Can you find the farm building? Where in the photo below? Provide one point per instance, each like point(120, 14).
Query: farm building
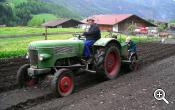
point(118, 22)
point(172, 27)
point(64, 23)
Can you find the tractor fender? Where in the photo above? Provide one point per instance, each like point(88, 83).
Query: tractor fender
point(103, 42)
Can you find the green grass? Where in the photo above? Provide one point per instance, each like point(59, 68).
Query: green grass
point(30, 30)
point(172, 21)
point(11, 47)
point(38, 20)
point(137, 39)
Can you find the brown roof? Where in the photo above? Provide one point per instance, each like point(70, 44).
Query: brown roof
point(57, 22)
point(111, 19)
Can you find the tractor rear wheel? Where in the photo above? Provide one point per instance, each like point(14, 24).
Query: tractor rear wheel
point(23, 79)
point(63, 82)
point(111, 63)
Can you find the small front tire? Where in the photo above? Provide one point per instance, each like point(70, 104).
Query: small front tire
point(23, 79)
point(63, 82)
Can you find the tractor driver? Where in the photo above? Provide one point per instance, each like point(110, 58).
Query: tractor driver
point(92, 35)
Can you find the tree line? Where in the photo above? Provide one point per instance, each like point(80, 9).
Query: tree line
point(12, 14)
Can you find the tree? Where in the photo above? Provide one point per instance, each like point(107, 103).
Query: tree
point(2, 1)
point(6, 14)
point(161, 27)
point(131, 28)
point(12, 13)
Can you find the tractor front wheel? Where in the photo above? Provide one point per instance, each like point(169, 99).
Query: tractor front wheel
point(63, 82)
point(23, 79)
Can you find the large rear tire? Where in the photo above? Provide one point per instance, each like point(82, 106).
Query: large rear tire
point(111, 63)
point(63, 82)
point(23, 79)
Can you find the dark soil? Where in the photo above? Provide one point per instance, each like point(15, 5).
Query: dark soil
point(132, 91)
point(148, 53)
point(8, 70)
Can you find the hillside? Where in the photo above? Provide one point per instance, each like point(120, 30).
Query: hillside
point(20, 12)
point(172, 21)
point(39, 19)
point(150, 9)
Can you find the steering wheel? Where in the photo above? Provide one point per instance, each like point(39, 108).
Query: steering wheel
point(78, 35)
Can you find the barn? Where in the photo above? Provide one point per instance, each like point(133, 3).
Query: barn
point(118, 22)
point(64, 23)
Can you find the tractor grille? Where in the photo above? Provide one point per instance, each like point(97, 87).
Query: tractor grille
point(33, 57)
point(63, 49)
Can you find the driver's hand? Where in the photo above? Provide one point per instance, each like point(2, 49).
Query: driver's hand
point(84, 34)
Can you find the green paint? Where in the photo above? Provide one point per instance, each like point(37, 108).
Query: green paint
point(49, 50)
point(103, 41)
point(53, 50)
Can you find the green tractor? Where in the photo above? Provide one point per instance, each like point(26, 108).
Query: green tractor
point(59, 60)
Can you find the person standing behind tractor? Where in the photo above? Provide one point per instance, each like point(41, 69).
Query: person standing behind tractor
point(92, 35)
point(131, 46)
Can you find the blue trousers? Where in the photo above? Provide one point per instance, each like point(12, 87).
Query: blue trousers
point(87, 45)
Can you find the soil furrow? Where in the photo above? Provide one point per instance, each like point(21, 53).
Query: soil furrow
point(152, 52)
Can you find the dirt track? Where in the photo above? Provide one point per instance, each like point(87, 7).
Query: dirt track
point(8, 71)
point(132, 91)
point(89, 88)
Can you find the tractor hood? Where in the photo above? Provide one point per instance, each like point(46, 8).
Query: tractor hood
point(55, 43)
point(44, 53)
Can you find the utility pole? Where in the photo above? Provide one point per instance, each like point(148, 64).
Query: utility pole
point(45, 33)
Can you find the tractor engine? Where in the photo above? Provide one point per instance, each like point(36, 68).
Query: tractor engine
point(46, 54)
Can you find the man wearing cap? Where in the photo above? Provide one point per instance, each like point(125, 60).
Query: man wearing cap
point(92, 35)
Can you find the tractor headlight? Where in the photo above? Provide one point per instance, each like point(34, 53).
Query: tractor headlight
point(27, 55)
point(41, 57)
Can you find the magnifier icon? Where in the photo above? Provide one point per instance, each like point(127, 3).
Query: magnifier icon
point(159, 94)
